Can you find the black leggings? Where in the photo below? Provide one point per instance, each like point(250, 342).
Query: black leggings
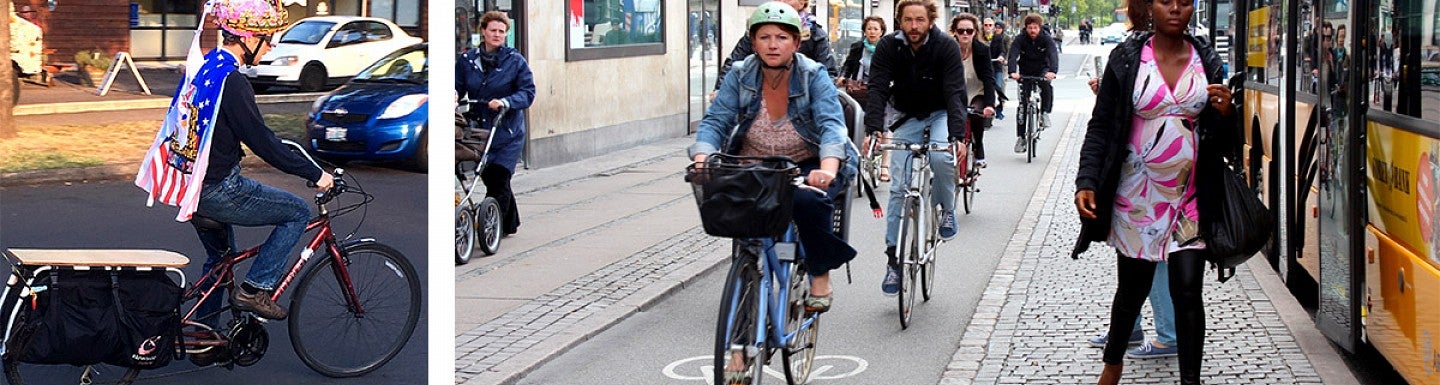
point(1187, 273)
point(497, 185)
point(978, 125)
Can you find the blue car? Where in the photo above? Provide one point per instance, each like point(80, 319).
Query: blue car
point(380, 115)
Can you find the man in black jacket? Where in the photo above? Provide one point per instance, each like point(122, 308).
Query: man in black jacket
point(814, 44)
point(918, 70)
point(1034, 54)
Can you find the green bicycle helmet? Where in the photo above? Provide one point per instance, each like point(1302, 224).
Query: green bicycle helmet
point(775, 12)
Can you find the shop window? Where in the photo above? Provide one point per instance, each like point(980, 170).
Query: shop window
point(600, 29)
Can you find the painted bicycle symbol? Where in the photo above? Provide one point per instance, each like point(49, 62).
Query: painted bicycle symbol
point(826, 368)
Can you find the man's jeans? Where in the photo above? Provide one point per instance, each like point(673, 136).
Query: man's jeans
point(1163, 308)
point(242, 201)
point(941, 166)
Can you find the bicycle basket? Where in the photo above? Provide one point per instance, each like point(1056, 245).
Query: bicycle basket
point(742, 197)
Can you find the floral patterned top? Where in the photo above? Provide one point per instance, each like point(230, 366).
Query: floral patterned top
point(1155, 204)
point(771, 137)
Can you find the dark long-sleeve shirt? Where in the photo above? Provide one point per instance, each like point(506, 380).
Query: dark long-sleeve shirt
point(817, 48)
point(239, 121)
point(1034, 57)
point(918, 82)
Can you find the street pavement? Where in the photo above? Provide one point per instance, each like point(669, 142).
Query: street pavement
point(619, 285)
point(113, 215)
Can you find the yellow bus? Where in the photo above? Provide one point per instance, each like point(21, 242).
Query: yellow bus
point(1341, 108)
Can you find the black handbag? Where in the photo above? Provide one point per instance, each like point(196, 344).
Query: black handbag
point(1233, 221)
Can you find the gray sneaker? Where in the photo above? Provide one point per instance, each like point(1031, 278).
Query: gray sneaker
point(1021, 145)
point(259, 303)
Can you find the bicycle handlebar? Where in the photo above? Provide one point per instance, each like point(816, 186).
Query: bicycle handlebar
point(1034, 79)
point(915, 147)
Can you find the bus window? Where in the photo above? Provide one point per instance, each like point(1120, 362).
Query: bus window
point(1407, 75)
point(1313, 50)
point(1430, 66)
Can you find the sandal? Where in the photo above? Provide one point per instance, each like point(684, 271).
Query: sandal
point(818, 303)
point(737, 378)
point(884, 173)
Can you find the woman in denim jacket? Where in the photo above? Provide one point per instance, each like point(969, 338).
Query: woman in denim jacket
point(756, 114)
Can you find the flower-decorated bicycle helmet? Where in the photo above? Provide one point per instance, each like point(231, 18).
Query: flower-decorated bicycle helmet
point(775, 12)
point(246, 18)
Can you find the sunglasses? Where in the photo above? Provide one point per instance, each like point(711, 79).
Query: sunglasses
point(964, 31)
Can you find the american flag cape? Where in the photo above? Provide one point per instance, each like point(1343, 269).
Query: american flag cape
point(174, 168)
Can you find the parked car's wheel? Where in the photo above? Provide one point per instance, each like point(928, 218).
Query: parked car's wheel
point(312, 78)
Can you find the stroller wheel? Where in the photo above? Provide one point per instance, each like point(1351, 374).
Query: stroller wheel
point(465, 234)
point(488, 223)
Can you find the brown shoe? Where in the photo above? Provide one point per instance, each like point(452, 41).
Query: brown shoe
point(259, 303)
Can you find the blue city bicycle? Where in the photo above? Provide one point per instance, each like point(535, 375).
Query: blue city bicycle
point(763, 307)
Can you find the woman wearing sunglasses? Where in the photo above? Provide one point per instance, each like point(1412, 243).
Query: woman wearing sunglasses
point(979, 78)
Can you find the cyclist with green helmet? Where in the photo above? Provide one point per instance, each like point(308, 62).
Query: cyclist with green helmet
point(780, 103)
point(814, 44)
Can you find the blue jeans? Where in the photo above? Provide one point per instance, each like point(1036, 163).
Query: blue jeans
point(242, 201)
point(1163, 307)
point(914, 131)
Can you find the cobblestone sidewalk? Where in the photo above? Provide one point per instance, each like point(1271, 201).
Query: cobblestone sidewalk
point(564, 309)
point(1040, 307)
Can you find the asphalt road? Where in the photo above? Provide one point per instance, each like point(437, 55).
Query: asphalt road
point(113, 215)
point(860, 339)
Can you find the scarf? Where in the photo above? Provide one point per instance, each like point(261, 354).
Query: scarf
point(174, 168)
point(869, 47)
point(488, 60)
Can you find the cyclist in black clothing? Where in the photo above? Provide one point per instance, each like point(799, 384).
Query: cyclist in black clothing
point(814, 44)
point(1034, 54)
point(918, 70)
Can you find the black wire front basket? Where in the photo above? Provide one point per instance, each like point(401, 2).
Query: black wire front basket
point(744, 197)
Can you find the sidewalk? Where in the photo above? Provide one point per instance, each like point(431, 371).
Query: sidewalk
point(69, 95)
point(600, 240)
point(1040, 307)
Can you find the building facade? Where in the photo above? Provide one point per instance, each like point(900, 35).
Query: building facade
point(162, 29)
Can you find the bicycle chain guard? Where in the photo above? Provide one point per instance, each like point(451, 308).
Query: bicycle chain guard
point(248, 341)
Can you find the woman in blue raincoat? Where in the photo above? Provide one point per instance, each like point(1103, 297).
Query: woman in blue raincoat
point(497, 77)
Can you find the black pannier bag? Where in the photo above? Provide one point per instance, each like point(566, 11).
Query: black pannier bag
point(125, 318)
point(741, 197)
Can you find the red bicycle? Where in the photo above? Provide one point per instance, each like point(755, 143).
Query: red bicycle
point(352, 310)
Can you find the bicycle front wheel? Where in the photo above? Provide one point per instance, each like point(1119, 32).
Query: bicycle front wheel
point(799, 354)
point(328, 333)
point(736, 328)
point(906, 252)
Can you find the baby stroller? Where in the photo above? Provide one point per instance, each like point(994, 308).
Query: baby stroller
point(476, 223)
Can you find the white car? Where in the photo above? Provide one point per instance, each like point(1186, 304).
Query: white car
point(320, 51)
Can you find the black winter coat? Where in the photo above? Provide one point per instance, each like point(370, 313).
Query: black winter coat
point(851, 70)
point(1104, 149)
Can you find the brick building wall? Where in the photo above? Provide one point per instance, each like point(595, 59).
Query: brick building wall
point(106, 26)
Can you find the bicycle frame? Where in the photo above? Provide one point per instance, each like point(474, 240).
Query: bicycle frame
point(917, 188)
point(773, 309)
point(224, 272)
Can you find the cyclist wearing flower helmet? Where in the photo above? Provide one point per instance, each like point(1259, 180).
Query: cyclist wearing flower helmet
point(226, 196)
point(755, 114)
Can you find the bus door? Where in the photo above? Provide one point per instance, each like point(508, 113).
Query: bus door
point(1334, 195)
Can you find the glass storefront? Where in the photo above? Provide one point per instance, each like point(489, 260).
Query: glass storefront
point(703, 30)
point(162, 29)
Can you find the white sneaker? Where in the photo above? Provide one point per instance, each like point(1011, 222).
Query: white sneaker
point(1044, 121)
point(980, 163)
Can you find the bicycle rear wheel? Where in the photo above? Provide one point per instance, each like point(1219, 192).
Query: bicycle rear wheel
point(465, 234)
point(488, 220)
point(739, 319)
point(799, 356)
point(1030, 123)
point(326, 331)
point(906, 253)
